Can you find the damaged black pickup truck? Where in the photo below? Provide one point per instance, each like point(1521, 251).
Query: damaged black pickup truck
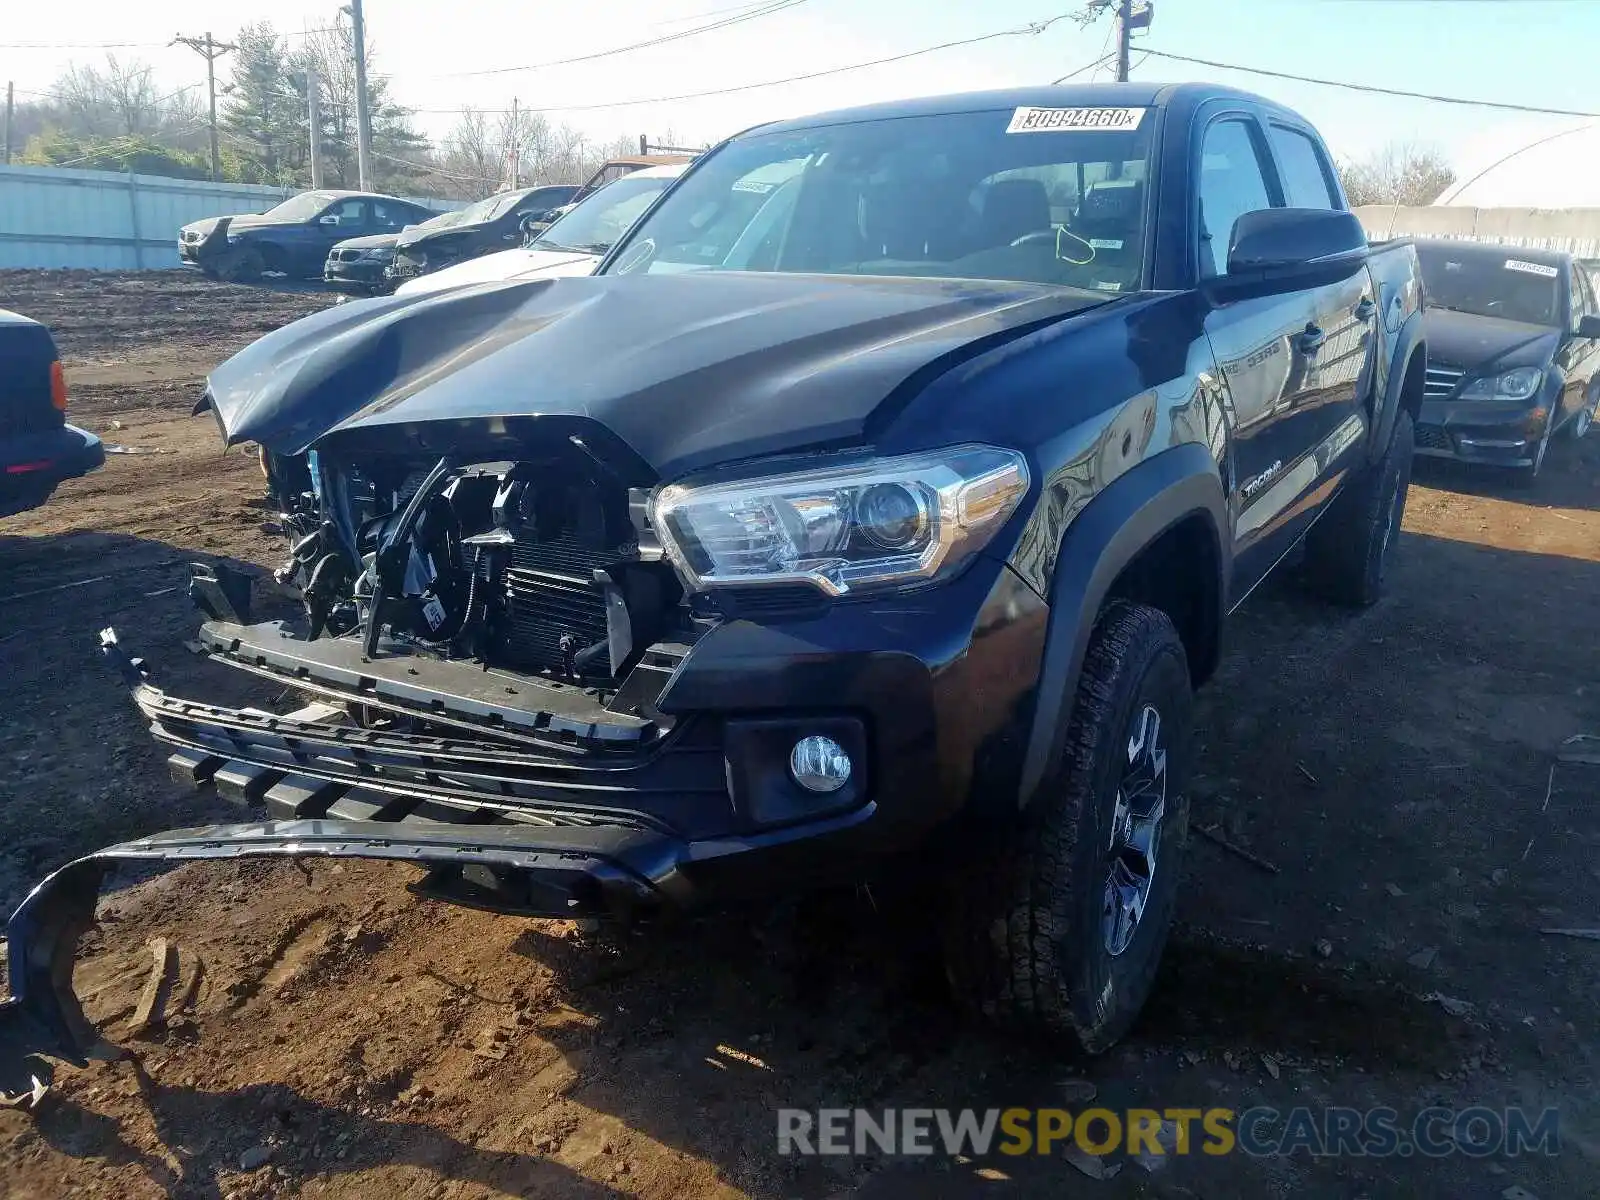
point(885, 491)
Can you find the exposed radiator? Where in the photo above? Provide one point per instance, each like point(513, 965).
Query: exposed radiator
point(553, 607)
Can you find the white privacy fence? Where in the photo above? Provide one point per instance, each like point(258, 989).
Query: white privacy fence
point(110, 221)
point(1573, 230)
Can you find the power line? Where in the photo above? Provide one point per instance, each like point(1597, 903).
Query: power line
point(1088, 66)
point(81, 45)
point(1374, 89)
point(1021, 31)
point(767, 9)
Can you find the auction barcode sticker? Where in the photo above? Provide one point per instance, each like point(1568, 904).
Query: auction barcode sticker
point(1060, 120)
point(1516, 264)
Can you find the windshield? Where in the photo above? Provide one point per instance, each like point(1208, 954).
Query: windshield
point(300, 208)
point(1491, 284)
point(605, 216)
point(1058, 201)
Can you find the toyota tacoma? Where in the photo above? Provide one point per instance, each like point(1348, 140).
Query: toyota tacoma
point(894, 514)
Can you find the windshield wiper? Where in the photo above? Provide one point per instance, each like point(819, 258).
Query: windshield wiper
point(541, 244)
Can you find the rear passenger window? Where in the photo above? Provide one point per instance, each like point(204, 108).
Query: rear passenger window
point(1232, 183)
point(1305, 180)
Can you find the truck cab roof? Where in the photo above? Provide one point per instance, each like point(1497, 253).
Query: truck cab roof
point(1081, 95)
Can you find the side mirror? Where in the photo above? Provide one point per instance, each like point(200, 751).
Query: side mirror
point(1277, 250)
point(327, 219)
point(1589, 326)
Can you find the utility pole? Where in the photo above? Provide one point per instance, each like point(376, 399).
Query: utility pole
point(211, 50)
point(314, 100)
point(11, 106)
point(515, 147)
point(1124, 36)
point(358, 30)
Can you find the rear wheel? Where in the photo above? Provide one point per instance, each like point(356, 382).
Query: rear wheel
point(1059, 931)
point(1348, 550)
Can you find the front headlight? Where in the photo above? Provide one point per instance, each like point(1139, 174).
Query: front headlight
point(882, 523)
point(1516, 384)
point(379, 255)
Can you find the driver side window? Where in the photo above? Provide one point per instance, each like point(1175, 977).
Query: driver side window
point(349, 213)
point(1232, 182)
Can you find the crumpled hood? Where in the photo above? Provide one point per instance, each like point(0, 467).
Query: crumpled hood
point(413, 234)
point(1485, 344)
point(688, 370)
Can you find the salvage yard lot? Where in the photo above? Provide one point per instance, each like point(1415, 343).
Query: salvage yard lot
point(1389, 773)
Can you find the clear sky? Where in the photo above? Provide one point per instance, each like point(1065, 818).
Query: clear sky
point(1536, 52)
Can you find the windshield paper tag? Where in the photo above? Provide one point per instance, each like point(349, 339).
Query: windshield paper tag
point(1516, 264)
point(1056, 120)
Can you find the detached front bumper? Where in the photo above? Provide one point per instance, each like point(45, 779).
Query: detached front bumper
point(555, 807)
point(1479, 431)
point(596, 869)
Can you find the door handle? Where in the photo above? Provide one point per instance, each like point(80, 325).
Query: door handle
point(1311, 339)
point(1366, 309)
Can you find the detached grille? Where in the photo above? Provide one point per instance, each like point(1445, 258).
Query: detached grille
point(1433, 437)
point(553, 605)
point(346, 255)
point(1441, 381)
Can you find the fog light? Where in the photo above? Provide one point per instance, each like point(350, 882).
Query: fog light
point(819, 764)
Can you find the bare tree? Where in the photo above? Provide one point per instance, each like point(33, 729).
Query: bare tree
point(472, 154)
point(120, 99)
point(1400, 173)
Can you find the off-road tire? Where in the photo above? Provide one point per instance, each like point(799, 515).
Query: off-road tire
point(1025, 939)
point(1349, 549)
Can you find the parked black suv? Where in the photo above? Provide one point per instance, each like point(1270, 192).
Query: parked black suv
point(895, 513)
point(1514, 336)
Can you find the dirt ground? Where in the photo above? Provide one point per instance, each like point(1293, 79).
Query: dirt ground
point(1392, 773)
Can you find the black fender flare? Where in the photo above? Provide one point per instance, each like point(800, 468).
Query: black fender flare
point(1408, 344)
point(1111, 531)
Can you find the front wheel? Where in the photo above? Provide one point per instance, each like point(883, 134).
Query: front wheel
point(1584, 421)
point(1059, 930)
point(244, 267)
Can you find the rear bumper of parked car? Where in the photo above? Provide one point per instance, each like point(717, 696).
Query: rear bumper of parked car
point(33, 464)
point(1496, 433)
